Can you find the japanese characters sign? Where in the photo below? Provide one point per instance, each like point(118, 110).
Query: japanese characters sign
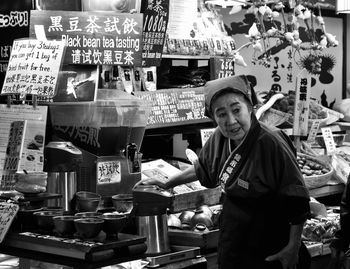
point(108, 172)
point(33, 67)
point(8, 212)
point(302, 102)
point(155, 20)
point(328, 140)
point(173, 107)
point(106, 38)
point(205, 134)
point(221, 67)
point(14, 24)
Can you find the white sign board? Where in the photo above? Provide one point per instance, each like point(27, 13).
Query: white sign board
point(108, 172)
point(33, 67)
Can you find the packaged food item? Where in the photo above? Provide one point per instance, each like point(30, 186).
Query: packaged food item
point(106, 76)
point(33, 182)
point(125, 75)
point(149, 78)
point(136, 78)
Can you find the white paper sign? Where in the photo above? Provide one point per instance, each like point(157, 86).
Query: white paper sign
point(108, 172)
point(313, 131)
point(328, 140)
point(33, 67)
point(205, 134)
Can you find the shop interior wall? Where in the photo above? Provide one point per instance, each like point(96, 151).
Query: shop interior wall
point(342, 90)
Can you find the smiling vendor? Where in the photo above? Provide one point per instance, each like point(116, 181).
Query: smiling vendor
point(265, 200)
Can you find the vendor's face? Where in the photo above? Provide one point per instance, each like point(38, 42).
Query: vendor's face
point(232, 115)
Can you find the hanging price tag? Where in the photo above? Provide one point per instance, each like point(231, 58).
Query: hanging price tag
point(328, 140)
point(313, 131)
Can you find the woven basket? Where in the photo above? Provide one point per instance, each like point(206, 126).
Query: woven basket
point(274, 117)
point(313, 182)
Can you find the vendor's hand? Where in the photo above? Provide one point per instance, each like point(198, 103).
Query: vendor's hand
point(337, 253)
point(288, 257)
point(151, 181)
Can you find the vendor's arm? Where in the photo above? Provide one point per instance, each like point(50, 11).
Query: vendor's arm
point(288, 256)
point(183, 177)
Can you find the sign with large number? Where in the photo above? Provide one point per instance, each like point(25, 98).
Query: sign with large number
point(98, 38)
point(221, 67)
point(33, 67)
point(155, 21)
point(173, 107)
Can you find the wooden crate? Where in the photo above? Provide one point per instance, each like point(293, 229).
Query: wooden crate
point(194, 199)
point(204, 240)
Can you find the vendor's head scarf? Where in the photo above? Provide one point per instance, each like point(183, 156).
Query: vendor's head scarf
point(236, 84)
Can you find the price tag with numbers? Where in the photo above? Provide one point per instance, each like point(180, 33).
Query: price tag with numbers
point(313, 131)
point(328, 140)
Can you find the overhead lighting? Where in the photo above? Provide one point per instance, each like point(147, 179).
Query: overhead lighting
point(342, 6)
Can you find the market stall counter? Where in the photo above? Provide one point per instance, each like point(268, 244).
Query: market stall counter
point(74, 252)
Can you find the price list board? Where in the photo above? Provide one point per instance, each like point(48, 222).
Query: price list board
point(173, 107)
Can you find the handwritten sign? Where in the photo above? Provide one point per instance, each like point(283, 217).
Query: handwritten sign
point(155, 20)
point(98, 38)
point(33, 67)
point(172, 107)
point(328, 140)
point(108, 172)
point(302, 102)
point(221, 67)
point(313, 131)
point(205, 134)
point(8, 212)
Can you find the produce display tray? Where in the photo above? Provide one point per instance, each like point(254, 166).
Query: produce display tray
point(194, 199)
point(204, 240)
point(95, 249)
point(178, 253)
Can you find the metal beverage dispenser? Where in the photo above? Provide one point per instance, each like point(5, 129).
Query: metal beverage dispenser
point(150, 207)
point(62, 160)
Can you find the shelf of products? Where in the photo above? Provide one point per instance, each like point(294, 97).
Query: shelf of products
point(186, 57)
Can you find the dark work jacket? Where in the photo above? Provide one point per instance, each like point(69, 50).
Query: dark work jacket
point(342, 239)
point(255, 221)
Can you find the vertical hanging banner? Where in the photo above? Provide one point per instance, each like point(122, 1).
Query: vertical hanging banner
point(302, 102)
point(33, 67)
point(93, 38)
point(155, 21)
